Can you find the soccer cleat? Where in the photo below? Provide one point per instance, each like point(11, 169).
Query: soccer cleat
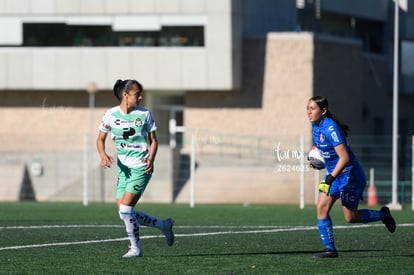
point(168, 231)
point(133, 252)
point(327, 253)
point(388, 220)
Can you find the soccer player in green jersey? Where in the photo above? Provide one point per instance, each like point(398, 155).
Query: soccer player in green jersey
point(132, 129)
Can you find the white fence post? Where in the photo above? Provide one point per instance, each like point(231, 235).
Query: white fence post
point(302, 173)
point(192, 170)
point(85, 169)
point(371, 176)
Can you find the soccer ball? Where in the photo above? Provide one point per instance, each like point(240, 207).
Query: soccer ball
point(316, 159)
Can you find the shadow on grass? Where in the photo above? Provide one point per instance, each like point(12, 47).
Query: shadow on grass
point(278, 253)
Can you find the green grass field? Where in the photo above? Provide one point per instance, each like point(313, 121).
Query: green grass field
point(68, 238)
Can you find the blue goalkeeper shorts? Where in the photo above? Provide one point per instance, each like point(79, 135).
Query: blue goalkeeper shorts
point(349, 186)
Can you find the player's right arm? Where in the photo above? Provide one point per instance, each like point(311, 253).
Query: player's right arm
point(106, 161)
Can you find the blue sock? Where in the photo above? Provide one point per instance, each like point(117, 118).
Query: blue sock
point(326, 231)
point(371, 215)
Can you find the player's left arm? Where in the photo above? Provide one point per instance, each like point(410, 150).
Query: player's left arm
point(153, 147)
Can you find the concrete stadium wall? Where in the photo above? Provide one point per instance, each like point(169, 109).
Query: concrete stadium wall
point(55, 138)
point(279, 77)
point(277, 81)
point(295, 67)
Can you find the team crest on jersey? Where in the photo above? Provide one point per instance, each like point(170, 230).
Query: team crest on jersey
point(321, 138)
point(138, 122)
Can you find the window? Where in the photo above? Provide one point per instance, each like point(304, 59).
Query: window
point(370, 32)
point(64, 35)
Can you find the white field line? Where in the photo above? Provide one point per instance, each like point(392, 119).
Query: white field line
point(269, 229)
point(289, 227)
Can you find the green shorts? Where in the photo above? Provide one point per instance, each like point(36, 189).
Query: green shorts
point(131, 180)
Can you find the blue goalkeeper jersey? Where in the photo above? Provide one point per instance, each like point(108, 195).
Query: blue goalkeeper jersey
point(326, 136)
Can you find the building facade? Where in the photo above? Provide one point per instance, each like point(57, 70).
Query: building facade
point(238, 67)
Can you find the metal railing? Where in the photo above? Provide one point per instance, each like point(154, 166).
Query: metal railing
point(56, 166)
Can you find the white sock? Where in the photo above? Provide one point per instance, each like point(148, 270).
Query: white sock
point(147, 220)
point(131, 225)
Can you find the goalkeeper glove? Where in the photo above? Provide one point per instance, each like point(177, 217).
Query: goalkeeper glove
point(325, 185)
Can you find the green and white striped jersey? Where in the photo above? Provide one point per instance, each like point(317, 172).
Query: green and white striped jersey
point(130, 133)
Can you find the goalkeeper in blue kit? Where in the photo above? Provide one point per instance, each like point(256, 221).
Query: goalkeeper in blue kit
point(344, 179)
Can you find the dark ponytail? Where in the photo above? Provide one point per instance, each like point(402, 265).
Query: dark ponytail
point(323, 103)
point(117, 90)
point(121, 86)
